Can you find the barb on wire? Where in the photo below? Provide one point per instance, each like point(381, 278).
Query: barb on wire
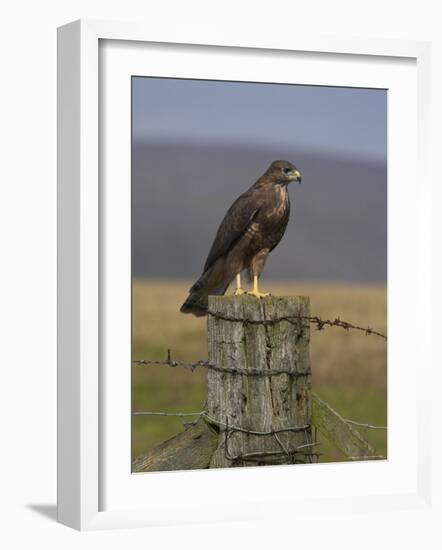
point(251, 371)
point(312, 319)
point(181, 415)
point(172, 363)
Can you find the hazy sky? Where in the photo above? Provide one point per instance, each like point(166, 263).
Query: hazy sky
point(197, 145)
point(346, 121)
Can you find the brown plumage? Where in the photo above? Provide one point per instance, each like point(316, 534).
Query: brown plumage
point(250, 230)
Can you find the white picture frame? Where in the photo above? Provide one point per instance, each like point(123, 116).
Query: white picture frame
point(82, 447)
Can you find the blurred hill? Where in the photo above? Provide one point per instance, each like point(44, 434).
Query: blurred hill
point(180, 192)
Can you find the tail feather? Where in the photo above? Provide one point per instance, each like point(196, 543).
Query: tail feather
point(197, 302)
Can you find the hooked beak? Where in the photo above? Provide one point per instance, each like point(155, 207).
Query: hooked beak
point(296, 176)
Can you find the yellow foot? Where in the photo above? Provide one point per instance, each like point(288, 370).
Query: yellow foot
point(239, 292)
point(258, 294)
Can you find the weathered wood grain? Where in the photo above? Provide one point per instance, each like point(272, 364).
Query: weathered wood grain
point(191, 449)
point(260, 403)
point(341, 434)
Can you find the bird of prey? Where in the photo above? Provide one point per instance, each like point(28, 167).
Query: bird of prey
point(250, 230)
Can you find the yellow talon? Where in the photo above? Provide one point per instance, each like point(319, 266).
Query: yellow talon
point(258, 294)
point(255, 292)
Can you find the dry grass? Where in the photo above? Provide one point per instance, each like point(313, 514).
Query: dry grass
point(349, 368)
point(337, 356)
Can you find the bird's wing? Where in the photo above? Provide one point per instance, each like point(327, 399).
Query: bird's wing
point(237, 219)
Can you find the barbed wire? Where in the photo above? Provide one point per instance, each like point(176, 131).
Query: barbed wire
point(211, 420)
point(251, 371)
point(204, 414)
point(259, 456)
point(234, 428)
point(313, 319)
point(305, 450)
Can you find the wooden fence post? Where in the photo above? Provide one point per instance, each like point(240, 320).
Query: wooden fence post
point(247, 334)
point(260, 407)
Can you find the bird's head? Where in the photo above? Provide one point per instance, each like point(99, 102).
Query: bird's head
point(283, 172)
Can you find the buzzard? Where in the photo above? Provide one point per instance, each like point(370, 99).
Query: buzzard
point(250, 230)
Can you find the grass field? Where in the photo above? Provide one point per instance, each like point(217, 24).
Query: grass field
point(349, 369)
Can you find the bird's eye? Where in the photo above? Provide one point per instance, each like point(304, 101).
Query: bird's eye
point(287, 170)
